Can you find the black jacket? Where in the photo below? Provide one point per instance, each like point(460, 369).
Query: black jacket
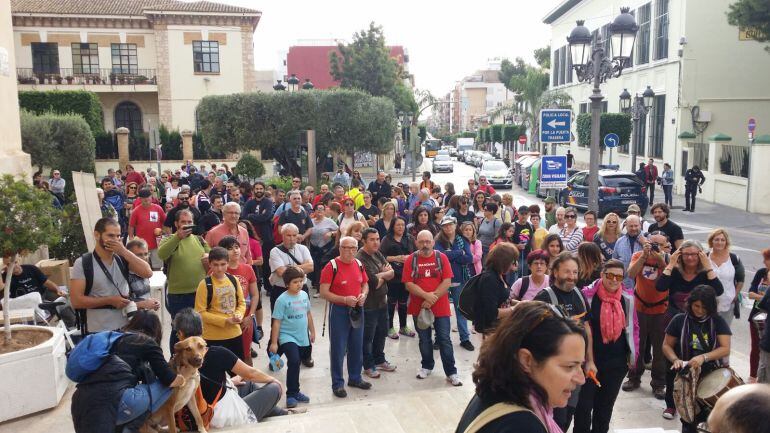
point(95, 401)
point(260, 213)
point(493, 295)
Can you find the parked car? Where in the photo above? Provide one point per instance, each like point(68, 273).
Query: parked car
point(481, 157)
point(617, 190)
point(496, 172)
point(443, 163)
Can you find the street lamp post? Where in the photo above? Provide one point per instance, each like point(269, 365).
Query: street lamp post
point(638, 108)
point(293, 83)
point(308, 85)
point(406, 126)
point(593, 65)
point(279, 86)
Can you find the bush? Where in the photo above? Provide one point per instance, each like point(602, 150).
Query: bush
point(172, 143)
point(497, 133)
point(283, 182)
point(512, 132)
point(73, 241)
point(60, 141)
point(610, 122)
point(106, 145)
point(80, 102)
point(249, 167)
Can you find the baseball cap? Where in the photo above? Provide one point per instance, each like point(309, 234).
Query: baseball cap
point(144, 193)
point(448, 220)
point(549, 199)
point(634, 208)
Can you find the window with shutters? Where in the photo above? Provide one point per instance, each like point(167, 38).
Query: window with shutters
point(657, 123)
point(643, 36)
point(661, 30)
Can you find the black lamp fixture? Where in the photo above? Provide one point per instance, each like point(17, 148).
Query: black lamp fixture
point(625, 100)
point(279, 87)
point(585, 55)
point(293, 83)
point(308, 85)
point(649, 97)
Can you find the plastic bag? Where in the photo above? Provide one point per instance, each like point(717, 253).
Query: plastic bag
point(231, 410)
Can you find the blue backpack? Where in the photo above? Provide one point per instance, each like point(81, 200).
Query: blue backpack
point(90, 354)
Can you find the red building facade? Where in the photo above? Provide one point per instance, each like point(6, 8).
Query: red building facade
point(313, 62)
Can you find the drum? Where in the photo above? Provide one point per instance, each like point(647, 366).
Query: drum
point(716, 383)
point(759, 322)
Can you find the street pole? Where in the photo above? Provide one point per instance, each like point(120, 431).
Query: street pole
point(413, 147)
point(596, 112)
point(311, 159)
point(634, 134)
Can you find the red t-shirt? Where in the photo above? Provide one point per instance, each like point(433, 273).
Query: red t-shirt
point(245, 275)
point(135, 176)
point(348, 281)
point(428, 278)
point(487, 189)
point(145, 220)
point(589, 233)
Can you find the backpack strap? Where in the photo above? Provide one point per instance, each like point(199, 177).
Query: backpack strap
point(88, 271)
point(335, 268)
point(582, 300)
point(524, 288)
point(552, 296)
point(437, 256)
point(492, 413)
point(210, 288)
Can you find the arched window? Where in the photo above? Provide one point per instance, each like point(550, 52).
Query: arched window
point(128, 114)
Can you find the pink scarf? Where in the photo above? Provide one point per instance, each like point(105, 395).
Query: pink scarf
point(612, 318)
point(545, 414)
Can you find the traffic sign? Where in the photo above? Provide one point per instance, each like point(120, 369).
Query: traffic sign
point(555, 125)
point(611, 140)
point(752, 124)
point(553, 171)
point(522, 139)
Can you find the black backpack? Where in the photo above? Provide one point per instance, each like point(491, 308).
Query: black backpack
point(469, 296)
point(210, 289)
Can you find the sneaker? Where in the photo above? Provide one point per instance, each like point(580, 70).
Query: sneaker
point(423, 373)
point(392, 333)
point(659, 393)
point(316, 295)
point(669, 413)
point(309, 363)
point(454, 329)
point(302, 398)
point(291, 402)
point(386, 366)
point(454, 379)
point(372, 372)
point(630, 385)
point(406, 332)
point(361, 384)
point(467, 345)
point(340, 392)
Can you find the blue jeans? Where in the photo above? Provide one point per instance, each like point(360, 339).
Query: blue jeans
point(462, 323)
point(293, 354)
point(441, 325)
point(136, 401)
point(375, 332)
point(344, 340)
point(175, 304)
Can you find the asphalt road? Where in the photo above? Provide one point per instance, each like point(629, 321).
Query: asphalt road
point(749, 234)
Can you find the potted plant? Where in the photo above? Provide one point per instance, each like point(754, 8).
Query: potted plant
point(31, 357)
point(113, 78)
point(140, 79)
point(58, 79)
point(69, 79)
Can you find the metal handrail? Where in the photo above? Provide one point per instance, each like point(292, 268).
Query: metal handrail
point(103, 76)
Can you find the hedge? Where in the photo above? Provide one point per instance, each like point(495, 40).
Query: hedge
point(610, 122)
point(497, 133)
point(86, 104)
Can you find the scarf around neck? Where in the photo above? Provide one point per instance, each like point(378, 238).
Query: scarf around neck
point(545, 414)
point(612, 319)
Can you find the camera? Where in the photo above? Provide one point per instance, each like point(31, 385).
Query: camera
point(129, 309)
point(656, 247)
point(190, 227)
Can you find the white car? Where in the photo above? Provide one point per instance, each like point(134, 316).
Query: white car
point(496, 172)
point(443, 163)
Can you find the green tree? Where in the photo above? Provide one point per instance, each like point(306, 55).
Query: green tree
point(617, 123)
point(509, 69)
point(497, 133)
point(28, 220)
point(543, 57)
point(249, 167)
point(366, 64)
point(753, 14)
point(533, 92)
point(81, 102)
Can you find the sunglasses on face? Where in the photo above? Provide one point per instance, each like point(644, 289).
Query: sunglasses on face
point(570, 217)
point(348, 204)
point(131, 187)
point(613, 277)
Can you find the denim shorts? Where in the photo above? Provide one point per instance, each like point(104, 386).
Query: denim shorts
point(135, 401)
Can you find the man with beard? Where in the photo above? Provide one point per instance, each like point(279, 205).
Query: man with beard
point(183, 199)
point(379, 187)
point(563, 294)
point(259, 210)
point(146, 221)
point(106, 268)
point(212, 217)
point(661, 211)
point(550, 212)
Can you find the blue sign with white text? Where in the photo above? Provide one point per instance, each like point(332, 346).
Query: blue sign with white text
point(555, 125)
point(553, 171)
point(611, 140)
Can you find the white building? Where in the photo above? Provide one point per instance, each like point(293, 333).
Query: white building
point(479, 96)
point(709, 79)
point(149, 61)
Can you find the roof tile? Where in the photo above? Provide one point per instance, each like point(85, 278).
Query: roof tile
point(122, 7)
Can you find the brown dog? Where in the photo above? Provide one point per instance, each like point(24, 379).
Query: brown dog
point(187, 359)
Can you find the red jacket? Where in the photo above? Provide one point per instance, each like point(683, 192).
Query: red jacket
point(650, 173)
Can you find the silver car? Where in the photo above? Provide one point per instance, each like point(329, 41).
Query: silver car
point(496, 172)
point(443, 163)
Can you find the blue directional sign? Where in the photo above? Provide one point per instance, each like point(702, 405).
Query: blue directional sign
point(555, 125)
point(553, 171)
point(611, 140)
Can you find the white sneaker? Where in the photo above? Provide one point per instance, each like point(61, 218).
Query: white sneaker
point(423, 373)
point(454, 380)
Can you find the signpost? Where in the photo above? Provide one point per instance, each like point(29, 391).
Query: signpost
point(555, 125)
point(553, 172)
point(611, 141)
point(752, 127)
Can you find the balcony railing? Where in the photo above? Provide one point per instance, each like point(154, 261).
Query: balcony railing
point(67, 76)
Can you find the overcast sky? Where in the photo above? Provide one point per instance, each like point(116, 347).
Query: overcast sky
point(446, 40)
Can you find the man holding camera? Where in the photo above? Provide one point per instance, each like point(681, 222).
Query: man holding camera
point(184, 255)
point(99, 282)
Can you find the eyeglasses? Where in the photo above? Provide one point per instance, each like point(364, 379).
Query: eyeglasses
point(612, 222)
point(570, 217)
point(613, 277)
point(348, 204)
point(296, 181)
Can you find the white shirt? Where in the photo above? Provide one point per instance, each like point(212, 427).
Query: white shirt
point(278, 259)
point(171, 193)
point(726, 274)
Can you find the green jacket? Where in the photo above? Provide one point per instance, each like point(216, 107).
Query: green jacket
point(183, 262)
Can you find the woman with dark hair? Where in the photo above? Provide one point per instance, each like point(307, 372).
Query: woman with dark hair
point(460, 209)
point(396, 246)
point(246, 190)
point(488, 227)
point(553, 245)
point(698, 337)
point(757, 290)
point(420, 221)
point(504, 234)
point(525, 288)
point(590, 259)
point(436, 215)
point(527, 367)
point(450, 192)
point(458, 250)
point(479, 198)
point(120, 393)
point(401, 204)
point(615, 346)
point(492, 303)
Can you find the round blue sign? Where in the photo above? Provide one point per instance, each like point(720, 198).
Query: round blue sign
point(611, 140)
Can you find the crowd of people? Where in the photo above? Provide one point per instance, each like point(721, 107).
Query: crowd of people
point(610, 299)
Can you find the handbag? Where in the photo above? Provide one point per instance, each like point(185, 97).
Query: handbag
point(231, 410)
